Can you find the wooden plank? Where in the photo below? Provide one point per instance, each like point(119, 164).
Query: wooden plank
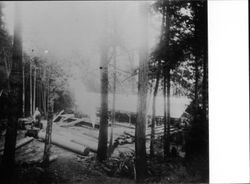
point(65, 117)
point(57, 116)
point(73, 122)
point(126, 125)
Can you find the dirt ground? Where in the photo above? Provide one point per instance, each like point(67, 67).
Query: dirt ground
point(70, 168)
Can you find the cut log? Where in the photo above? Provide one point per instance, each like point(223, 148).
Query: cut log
point(21, 143)
point(67, 144)
point(84, 140)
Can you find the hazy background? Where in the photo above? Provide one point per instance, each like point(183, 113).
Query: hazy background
point(72, 33)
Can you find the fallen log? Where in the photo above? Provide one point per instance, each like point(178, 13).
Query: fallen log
point(67, 144)
point(20, 143)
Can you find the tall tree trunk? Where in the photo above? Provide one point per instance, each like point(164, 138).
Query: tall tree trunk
point(103, 130)
point(23, 97)
point(44, 93)
point(34, 91)
point(44, 100)
point(168, 111)
point(140, 140)
point(14, 100)
point(152, 142)
point(31, 104)
point(166, 88)
point(113, 105)
point(47, 145)
point(166, 95)
point(165, 115)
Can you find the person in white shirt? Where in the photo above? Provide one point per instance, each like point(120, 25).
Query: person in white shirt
point(37, 118)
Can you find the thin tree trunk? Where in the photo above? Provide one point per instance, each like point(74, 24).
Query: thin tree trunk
point(140, 139)
point(34, 91)
point(165, 116)
point(23, 97)
point(103, 130)
point(47, 145)
point(153, 111)
point(31, 104)
point(44, 100)
point(44, 93)
point(168, 111)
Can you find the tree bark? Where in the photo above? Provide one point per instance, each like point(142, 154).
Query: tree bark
point(166, 83)
point(23, 97)
point(166, 95)
point(113, 106)
point(44, 93)
point(103, 130)
point(31, 104)
point(165, 116)
point(47, 145)
point(34, 91)
point(153, 111)
point(140, 140)
point(14, 100)
point(168, 111)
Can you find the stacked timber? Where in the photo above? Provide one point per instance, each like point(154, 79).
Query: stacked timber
point(69, 120)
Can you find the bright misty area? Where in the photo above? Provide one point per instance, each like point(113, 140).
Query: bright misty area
point(104, 92)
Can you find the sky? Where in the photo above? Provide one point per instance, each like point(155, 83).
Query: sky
point(65, 27)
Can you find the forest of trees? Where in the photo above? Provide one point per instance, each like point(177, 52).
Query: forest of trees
point(178, 63)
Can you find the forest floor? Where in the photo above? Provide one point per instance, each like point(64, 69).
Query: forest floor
point(69, 167)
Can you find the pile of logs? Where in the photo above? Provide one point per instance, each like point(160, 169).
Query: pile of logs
point(69, 120)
